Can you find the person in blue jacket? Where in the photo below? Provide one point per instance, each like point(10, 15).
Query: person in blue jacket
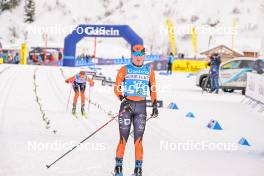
point(170, 62)
point(16, 58)
point(215, 61)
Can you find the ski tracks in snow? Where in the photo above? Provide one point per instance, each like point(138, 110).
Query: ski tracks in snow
point(6, 87)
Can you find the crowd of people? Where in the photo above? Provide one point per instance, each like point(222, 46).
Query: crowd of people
point(37, 58)
point(40, 57)
point(10, 57)
point(85, 57)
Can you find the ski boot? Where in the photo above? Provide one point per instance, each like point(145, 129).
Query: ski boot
point(83, 110)
point(118, 167)
point(138, 168)
point(217, 91)
point(74, 110)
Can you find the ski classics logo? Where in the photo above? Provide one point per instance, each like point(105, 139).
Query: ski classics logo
point(127, 122)
point(102, 31)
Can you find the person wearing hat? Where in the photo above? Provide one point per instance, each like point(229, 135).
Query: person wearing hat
point(133, 84)
point(170, 62)
point(215, 61)
point(78, 82)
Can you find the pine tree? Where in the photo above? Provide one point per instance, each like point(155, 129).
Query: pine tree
point(29, 11)
point(8, 4)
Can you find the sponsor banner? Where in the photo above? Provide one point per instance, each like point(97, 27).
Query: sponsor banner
point(194, 41)
point(79, 63)
point(105, 62)
point(172, 39)
point(23, 54)
point(159, 103)
point(100, 78)
point(255, 86)
point(159, 65)
point(90, 73)
point(109, 31)
point(188, 65)
point(107, 83)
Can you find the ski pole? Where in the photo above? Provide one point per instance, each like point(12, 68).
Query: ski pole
point(114, 117)
point(67, 107)
point(89, 100)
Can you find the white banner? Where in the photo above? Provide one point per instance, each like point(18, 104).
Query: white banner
point(255, 86)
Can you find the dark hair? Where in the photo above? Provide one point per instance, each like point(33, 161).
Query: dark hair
point(214, 56)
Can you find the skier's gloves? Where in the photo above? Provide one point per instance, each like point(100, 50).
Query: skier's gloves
point(155, 111)
point(125, 103)
point(121, 97)
point(67, 81)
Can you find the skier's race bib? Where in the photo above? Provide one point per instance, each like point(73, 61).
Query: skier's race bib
point(136, 81)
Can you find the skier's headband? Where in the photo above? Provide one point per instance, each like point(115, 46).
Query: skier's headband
point(138, 50)
point(82, 73)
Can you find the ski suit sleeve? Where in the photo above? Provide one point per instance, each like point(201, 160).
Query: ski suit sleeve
point(152, 86)
point(71, 79)
point(119, 79)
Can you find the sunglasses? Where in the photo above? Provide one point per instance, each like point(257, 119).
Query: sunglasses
point(138, 53)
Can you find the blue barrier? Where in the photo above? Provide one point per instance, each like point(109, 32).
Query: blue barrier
point(152, 57)
point(122, 61)
point(107, 31)
point(128, 60)
point(79, 63)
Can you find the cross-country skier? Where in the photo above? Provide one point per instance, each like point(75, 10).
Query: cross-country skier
point(79, 84)
point(133, 83)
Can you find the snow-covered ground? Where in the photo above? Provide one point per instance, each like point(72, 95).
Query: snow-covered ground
point(26, 145)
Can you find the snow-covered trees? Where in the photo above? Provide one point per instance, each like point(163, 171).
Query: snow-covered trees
point(29, 11)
